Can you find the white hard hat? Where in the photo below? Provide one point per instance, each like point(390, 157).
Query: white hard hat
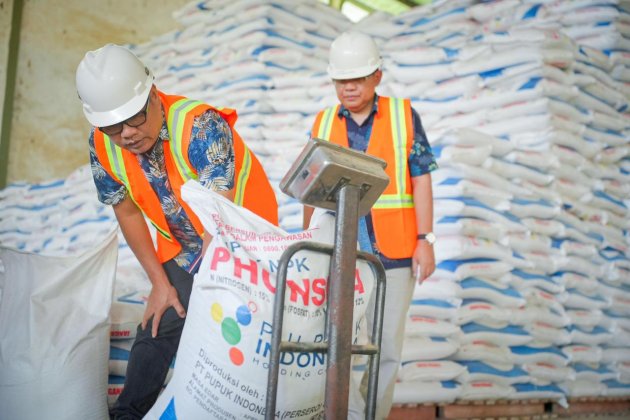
point(113, 85)
point(352, 55)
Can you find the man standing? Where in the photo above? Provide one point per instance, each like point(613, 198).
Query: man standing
point(144, 146)
point(399, 227)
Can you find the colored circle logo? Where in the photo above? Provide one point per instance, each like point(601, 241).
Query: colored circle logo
point(231, 328)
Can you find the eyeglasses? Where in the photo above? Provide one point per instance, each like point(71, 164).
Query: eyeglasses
point(133, 121)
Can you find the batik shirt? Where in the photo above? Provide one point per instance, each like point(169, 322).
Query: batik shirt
point(421, 161)
point(210, 153)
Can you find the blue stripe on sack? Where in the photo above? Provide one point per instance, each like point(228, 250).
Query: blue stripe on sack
point(116, 380)
point(529, 387)
point(473, 282)
point(169, 411)
point(433, 302)
point(532, 12)
point(527, 350)
point(450, 181)
point(473, 327)
point(425, 20)
point(613, 383)
point(596, 330)
point(604, 196)
point(475, 366)
point(581, 367)
point(116, 353)
point(577, 292)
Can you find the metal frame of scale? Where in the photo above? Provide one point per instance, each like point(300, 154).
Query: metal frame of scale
point(335, 178)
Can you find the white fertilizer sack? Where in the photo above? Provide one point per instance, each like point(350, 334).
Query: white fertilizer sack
point(223, 358)
point(430, 370)
point(54, 333)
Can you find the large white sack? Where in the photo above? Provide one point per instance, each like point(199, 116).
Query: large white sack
point(54, 333)
point(222, 361)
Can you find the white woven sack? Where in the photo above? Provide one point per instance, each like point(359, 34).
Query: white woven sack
point(223, 358)
point(54, 333)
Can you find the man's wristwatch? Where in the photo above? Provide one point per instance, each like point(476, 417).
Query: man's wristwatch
point(429, 237)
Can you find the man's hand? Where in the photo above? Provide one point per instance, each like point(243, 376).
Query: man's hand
point(423, 263)
point(162, 297)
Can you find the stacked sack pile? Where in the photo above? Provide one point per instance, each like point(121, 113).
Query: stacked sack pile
point(525, 105)
point(54, 218)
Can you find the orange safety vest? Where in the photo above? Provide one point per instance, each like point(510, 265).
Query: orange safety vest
point(252, 189)
point(393, 214)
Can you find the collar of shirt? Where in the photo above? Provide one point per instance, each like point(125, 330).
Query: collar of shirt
point(359, 135)
point(162, 136)
point(164, 130)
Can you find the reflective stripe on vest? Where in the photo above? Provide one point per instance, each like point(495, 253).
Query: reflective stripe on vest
point(176, 121)
point(243, 176)
point(399, 135)
point(325, 126)
point(117, 163)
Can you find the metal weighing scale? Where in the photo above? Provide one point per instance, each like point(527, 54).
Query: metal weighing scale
point(335, 178)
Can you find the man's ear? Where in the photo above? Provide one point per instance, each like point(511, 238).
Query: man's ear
point(378, 75)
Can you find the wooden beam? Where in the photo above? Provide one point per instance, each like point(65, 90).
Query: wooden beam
point(593, 406)
point(498, 409)
point(414, 412)
point(9, 90)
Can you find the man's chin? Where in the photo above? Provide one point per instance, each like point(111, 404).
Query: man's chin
point(353, 108)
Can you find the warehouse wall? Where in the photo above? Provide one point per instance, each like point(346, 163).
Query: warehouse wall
point(49, 134)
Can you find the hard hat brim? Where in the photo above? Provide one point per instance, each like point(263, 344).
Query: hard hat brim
point(354, 73)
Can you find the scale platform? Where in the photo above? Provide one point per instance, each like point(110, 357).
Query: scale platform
point(323, 168)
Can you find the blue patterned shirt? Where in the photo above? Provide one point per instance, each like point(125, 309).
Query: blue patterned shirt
point(210, 153)
point(420, 161)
